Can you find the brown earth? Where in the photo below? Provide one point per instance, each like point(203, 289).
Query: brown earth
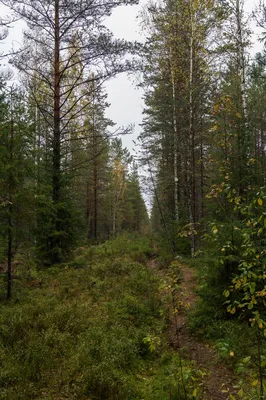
point(218, 381)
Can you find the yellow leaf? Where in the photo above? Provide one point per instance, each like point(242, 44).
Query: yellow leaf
point(231, 354)
point(260, 202)
point(238, 284)
point(215, 231)
point(215, 127)
point(194, 394)
point(255, 383)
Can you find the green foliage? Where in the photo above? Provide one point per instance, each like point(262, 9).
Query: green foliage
point(232, 306)
point(90, 329)
point(248, 284)
point(70, 222)
point(242, 255)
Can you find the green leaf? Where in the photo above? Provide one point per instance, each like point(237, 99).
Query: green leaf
point(250, 306)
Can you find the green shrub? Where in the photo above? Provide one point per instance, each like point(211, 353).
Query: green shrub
point(89, 329)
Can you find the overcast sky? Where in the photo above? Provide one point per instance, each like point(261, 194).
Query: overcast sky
point(125, 98)
point(123, 94)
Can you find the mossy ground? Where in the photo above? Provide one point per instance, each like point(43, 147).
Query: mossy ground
point(91, 329)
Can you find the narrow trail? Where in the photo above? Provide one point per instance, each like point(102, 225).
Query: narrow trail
point(218, 381)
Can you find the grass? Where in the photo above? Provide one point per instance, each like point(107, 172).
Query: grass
point(91, 329)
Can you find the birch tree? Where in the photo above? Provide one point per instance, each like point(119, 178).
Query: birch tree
point(180, 45)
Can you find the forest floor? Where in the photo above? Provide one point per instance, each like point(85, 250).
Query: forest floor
point(92, 328)
point(218, 379)
point(104, 326)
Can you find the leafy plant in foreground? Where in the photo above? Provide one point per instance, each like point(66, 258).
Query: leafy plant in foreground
point(246, 294)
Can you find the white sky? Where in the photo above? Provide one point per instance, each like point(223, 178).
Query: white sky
point(125, 98)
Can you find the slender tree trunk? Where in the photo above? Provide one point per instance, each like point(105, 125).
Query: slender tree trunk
point(10, 210)
point(191, 189)
point(9, 252)
point(243, 145)
point(95, 177)
point(56, 135)
point(261, 149)
point(241, 58)
point(88, 208)
point(38, 149)
point(201, 176)
point(176, 181)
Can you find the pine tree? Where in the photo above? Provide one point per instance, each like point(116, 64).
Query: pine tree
point(52, 52)
point(16, 183)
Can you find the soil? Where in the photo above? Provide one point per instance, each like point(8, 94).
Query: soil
point(218, 382)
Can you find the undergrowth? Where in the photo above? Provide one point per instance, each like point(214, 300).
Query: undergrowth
point(234, 339)
point(91, 329)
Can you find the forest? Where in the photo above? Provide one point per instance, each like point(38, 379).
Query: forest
point(124, 275)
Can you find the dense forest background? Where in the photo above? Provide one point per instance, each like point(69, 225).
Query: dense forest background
point(65, 175)
point(203, 142)
point(67, 182)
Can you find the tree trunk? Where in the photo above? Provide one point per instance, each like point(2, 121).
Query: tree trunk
point(95, 177)
point(176, 181)
point(191, 181)
point(56, 137)
point(241, 59)
point(9, 252)
point(243, 144)
point(201, 175)
point(10, 210)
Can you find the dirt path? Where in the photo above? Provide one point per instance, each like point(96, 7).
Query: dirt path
point(218, 382)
